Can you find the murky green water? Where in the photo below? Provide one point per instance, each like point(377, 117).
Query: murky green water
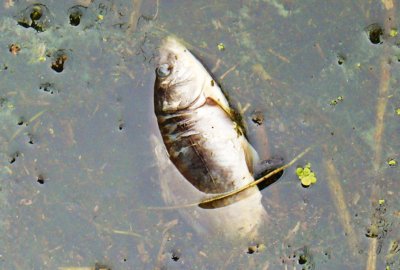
point(78, 168)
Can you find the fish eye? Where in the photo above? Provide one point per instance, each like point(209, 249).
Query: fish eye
point(163, 70)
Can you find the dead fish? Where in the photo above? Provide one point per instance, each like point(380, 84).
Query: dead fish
point(204, 142)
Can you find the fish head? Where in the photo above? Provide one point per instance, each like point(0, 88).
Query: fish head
point(179, 77)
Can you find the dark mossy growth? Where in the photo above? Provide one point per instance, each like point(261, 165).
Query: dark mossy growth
point(48, 88)
point(14, 48)
point(375, 32)
point(36, 16)
point(305, 259)
point(341, 59)
point(14, 157)
point(40, 179)
point(59, 59)
point(3, 101)
point(121, 125)
point(257, 117)
point(75, 14)
point(175, 256)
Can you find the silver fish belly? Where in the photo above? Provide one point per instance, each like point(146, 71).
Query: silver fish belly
point(202, 140)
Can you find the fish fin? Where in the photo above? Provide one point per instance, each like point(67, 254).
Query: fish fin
point(263, 167)
point(212, 91)
point(250, 154)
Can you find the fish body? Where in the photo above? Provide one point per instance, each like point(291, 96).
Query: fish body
point(193, 115)
point(205, 144)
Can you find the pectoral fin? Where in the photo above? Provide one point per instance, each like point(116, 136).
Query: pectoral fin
point(214, 93)
point(250, 154)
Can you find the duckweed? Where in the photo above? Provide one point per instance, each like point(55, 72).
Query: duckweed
point(334, 102)
point(393, 32)
point(221, 46)
point(392, 162)
point(306, 175)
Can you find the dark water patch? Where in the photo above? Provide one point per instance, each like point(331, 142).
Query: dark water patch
point(341, 59)
point(40, 179)
point(48, 88)
point(31, 139)
point(176, 254)
point(121, 125)
point(301, 257)
point(22, 121)
point(14, 157)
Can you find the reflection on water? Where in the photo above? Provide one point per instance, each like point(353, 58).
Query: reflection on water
point(79, 179)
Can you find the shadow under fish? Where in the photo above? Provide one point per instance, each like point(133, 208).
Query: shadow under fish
point(204, 151)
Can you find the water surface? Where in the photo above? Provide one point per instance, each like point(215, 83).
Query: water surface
point(76, 111)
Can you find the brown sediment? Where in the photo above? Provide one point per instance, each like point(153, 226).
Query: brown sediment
point(280, 56)
point(36, 116)
point(259, 70)
point(319, 50)
point(339, 201)
point(384, 84)
point(380, 111)
point(166, 236)
point(135, 15)
point(227, 72)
